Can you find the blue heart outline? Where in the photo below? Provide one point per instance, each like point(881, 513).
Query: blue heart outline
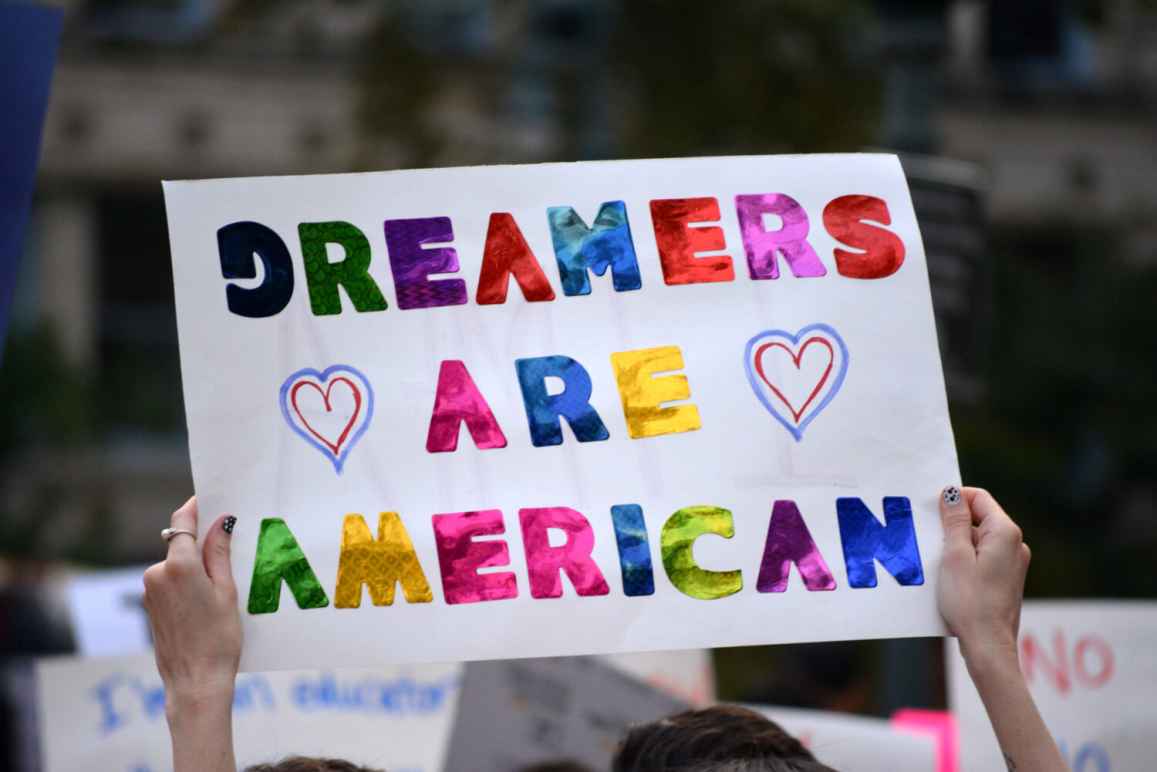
point(754, 380)
point(323, 378)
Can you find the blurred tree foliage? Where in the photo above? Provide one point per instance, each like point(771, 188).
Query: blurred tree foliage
point(1066, 435)
point(667, 78)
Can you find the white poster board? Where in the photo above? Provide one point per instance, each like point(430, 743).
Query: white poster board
point(855, 743)
point(1092, 672)
point(627, 437)
point(108, 619)
point(109, 714)
point(513, 714)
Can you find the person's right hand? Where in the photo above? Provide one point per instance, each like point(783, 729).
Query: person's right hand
point(981, 574)
point(192, 604)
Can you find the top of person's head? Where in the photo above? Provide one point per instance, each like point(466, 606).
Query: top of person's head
point(723, 738)
point(306, 764)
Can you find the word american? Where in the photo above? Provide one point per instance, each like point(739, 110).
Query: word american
point(381, 564)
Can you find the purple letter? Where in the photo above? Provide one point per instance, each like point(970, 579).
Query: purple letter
point(789, 541)
point(412, 264)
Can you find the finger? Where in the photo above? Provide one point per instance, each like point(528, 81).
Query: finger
point(182, 546)
point(956, 518)
point(991, 517)
point(216, 551)
point(1026, 553)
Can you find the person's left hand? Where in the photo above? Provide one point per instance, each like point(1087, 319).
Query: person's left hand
point(192, 604)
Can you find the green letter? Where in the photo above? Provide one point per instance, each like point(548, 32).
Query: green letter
point(677, 542)
point(323, 277)
point(279, 557)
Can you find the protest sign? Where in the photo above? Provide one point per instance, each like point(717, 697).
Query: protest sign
point(108, 618)
point(512, 714)
point(28, 40)
point(109, 714)
point(737, 437)
point(1091, 671)
point(844, 741)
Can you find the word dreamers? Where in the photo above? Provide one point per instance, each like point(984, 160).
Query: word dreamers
point(684, 229)
point(381, 564)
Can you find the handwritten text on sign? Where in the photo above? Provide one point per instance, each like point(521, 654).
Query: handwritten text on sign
point(695, 376)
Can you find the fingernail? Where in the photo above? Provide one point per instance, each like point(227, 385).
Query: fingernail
point(231, 521)
point(951, 495)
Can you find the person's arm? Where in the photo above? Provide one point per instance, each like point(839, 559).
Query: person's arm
point(981, 587)
point(192, 605)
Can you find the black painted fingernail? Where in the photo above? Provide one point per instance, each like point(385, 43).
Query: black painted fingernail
point(951, 495)
point(228, 524)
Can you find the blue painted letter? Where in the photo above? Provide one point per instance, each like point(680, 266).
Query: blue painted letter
point(866, 541)
point(543, 409)
point(607, 245)
point(634, 550)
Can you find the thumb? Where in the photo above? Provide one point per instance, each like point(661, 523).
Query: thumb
point(956, 517)
point(216, 555)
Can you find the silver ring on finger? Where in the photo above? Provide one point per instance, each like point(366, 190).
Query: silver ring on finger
point(168, 533)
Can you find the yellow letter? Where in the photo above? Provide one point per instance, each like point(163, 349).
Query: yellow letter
point(380, 564)
point(643, 394)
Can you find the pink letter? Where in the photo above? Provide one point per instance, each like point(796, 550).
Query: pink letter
point(458, 400)
point(791, 239)
point(789, 541)
point(574, 556)
point(460, 557)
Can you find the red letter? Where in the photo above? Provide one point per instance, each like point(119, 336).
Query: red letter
point(1104, 653)
point(507, 254)
point(460, 557)
point(881, 251)
point(1058, 671)
point(678, 242)
point(574, 556)
point(458, 400)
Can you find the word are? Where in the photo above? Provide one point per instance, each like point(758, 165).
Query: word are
point(381, 564)
point(684, 229)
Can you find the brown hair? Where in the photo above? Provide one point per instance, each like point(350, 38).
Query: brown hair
point(724, 738)
point(305, 764)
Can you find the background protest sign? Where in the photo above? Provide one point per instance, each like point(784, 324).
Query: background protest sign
point(736, 437)
point(109, 714)
point(1091, 671)
point(515, 713)
point(28, 40)
point(855, 743)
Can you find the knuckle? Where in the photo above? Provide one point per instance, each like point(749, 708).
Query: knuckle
point(153, 577)
point(179, 568)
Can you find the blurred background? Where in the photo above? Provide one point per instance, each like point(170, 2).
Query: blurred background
point(1028, 131)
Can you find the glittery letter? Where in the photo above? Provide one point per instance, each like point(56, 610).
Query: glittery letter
point(642, 394)
point(679, 242)
point(507, 254)
point(790, 239)
point(677, 544)
point(460, 557)
point(280, 557)
point(543, 409)
point(634, 550)
point(608, 244)
point(881, 253)
point(545, 563)
point(381, 564)
point(412, 263)
point(352, 272)
point(237, 243)
point(789, 541)
point(866, 541)
point(456, 401)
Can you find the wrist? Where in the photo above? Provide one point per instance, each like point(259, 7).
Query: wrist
point(990, 659)
point(191, 703)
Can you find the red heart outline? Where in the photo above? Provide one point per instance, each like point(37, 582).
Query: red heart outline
point(334, 448)
point(796, 358)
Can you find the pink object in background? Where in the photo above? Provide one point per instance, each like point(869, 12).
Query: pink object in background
point(938, 723)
